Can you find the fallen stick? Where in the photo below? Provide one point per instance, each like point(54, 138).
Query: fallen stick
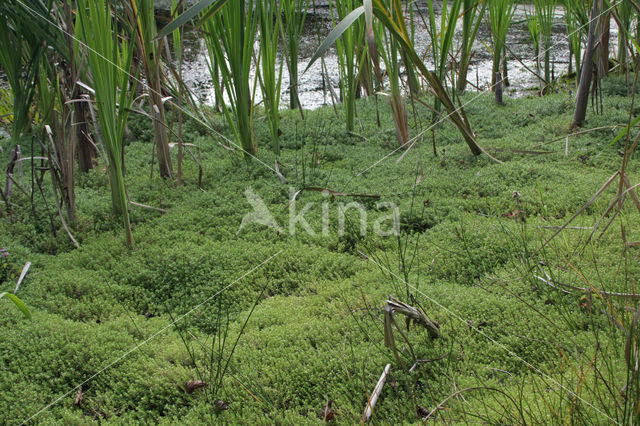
point(597, 291)
point(22, 275)
point(519, 151)
point(376, 393)
point(581, 228)
point(396, 306)
point(144, 206)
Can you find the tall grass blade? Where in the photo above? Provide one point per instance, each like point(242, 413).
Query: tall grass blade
point(336, 33)
point(16, 301)
point(545, 12)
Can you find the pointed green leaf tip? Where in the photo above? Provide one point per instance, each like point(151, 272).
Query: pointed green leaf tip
point(191, 13)
point(336, 33)
point(17, 302)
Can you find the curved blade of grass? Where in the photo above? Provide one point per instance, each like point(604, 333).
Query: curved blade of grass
point(17, 302)
point(336, 33)
point(624, 131)
point(191, 13)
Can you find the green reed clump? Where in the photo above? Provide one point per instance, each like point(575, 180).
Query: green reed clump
point(110, 57)
point(229, 34)
point(534, 31)
point(545, 11)
point(500, 17)
point(270, 71)
point(442, 39)
point(577, 23)
point(140, 14)
point(473, 13)
point(295, 14)
point(348, 59)
point(390, 51)
point(24, 41)
point(624, 16)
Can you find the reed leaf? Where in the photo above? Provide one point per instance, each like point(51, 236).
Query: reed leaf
point(203, 9)
point(335, 34)
point(16, 301)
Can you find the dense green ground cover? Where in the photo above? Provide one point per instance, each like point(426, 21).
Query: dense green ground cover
point(316, 332)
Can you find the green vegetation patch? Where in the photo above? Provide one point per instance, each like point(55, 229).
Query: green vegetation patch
point(119, 321)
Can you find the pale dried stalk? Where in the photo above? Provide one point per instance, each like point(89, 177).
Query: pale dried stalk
point(368, 412)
